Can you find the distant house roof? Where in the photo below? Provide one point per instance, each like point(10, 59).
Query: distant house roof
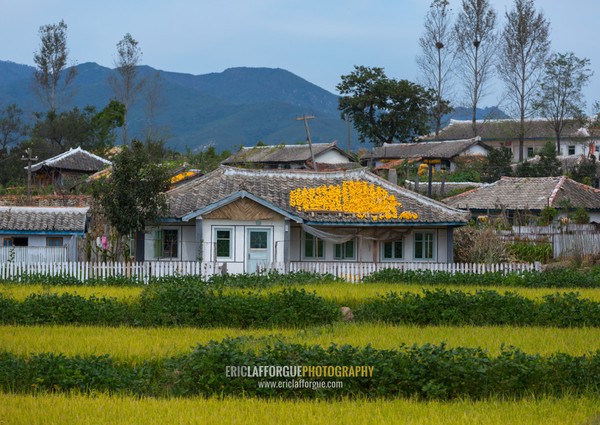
point(43, 219)
point(507, 129)
point(439, 149)
point(281, 153)
point(527, 193)
point(272, 188)
point(74, 160)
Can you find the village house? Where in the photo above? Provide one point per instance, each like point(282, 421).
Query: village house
point(575, 139)
point(246, 218)
point(68, 168)
point(524, 198)
point(41, 234)
point(441, 154)
point(294, 157)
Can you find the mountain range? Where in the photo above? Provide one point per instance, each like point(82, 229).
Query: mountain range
point(236, 107)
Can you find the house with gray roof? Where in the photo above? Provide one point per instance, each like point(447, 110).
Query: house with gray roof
point(67, 168)
point(326, 156)
point(520, 198)
point(245, 218)
point(41, 234)
point(575, 139)
point(442, 153)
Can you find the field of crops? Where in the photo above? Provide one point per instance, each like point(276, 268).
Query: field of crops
point(142, 344)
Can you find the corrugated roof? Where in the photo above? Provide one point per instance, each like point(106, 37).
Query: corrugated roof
point(527, 193)
point(280, 153)
point(62, 219)
point(441, 150)
point(74, 159)
point(274, 187)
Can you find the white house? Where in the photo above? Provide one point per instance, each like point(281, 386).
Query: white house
point(244, 218)
point(41, 234)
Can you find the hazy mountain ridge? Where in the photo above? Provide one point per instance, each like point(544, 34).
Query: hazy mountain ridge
point(239, 106)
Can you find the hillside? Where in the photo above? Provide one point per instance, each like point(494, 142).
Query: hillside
point(239, 106)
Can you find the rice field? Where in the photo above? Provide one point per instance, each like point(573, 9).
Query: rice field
point(102, 409)
point(145, 343)
point(137, 344)
point(342, 293)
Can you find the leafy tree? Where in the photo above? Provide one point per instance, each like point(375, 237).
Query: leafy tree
point(79, 127)
point(585, 171)
point(437, 57)
point(125, 83)
point(11, 127)
point(498, 164)
point(133, 195)
point(475, 33)
point(524, 48)
point(51, 61)
point(206, 159)
point(560, 94)
point(384, 109)
point(547, 166)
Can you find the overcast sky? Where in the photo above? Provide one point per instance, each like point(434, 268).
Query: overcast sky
point(318, 40)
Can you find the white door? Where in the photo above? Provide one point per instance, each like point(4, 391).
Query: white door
point(258, 249)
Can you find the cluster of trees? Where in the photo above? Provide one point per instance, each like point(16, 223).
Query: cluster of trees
point(463, 52)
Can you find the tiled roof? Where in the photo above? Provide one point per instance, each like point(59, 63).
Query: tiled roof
point(61, 219)
point(507, 129)
point(274, 186)
point(280, 153)
point(440, 150)
point(75, 160)
point(527, 193)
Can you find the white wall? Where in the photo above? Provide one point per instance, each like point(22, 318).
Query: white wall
point(332, 157)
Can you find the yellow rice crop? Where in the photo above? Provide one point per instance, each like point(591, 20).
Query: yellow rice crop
point(102, 409)
point(143, 343)
point(20, 292)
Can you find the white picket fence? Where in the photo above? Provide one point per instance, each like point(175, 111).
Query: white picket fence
point(355, 272)
point(144, 271)
point(84, 271)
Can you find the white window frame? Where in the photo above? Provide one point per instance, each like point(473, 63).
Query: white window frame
point(315, 242)
point(423, 250)
point(231, 242)
point(343, 257)
point(394, 257)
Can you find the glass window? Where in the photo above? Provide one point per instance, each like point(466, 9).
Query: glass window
point(223, 240)
point(571, 149)
point(258, 239)
point(54, 241)
point(7, 242)
point(313, 246)
point(423, 246)
point(392, 250)
point(530, 152)
point(169, 243)
point(344, 251)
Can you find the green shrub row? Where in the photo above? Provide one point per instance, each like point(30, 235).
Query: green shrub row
point(484, 307)
point(559, 278)
point(183, 304)
point(196, 305)
point(531, 252)
point(425, 372)
point(254, 280)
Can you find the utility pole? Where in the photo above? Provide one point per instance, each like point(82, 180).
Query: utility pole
point(305, 118)
point(29, 159)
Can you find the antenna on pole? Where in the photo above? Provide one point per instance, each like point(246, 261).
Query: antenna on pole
point(305, 118)
point(29, 159)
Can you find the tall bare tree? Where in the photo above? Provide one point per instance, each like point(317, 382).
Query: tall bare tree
point(125, 83)
point(436, 58)
point(525, 46)
point(476, 39)
point(51, 61)
point(560, 96)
